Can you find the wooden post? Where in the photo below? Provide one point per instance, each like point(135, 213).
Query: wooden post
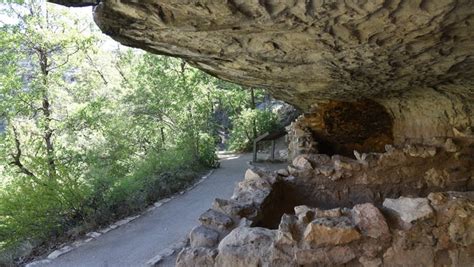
point(254, 150)
point(273, 150)
point(255, 141)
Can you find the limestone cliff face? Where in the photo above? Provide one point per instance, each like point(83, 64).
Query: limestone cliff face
point(414, 57)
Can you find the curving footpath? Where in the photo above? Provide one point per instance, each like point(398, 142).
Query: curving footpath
point(138, 242)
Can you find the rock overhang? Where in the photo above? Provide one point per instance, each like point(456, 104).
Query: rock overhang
point(411, 56)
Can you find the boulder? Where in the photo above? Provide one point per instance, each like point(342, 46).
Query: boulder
point(252, 174)
point(202, 236)
point(416, 256)
point(244, 247)
point(288, 230)
point(370, 220)
point(302, 163)
point(335, 256)
point(283, 172)
point(232, 208)
point(196, 257)
point(370, 262)
point(330, 231)
point(450, 146)
point(252, 192)
point(409, 209)
point(216, 220)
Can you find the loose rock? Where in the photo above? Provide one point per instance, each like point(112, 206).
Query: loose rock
point(409, 209)
point(216, 219)
point(330, 231)
point(370, 220)
point(202, 236)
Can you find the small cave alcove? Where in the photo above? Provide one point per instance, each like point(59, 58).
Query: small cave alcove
point(362, 125)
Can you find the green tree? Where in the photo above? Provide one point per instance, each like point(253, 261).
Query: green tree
point(95, 133)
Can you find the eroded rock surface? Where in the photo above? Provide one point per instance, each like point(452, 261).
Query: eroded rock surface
point(340, 49)
point(413, 57)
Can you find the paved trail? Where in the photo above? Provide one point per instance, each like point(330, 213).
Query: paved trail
point(135, 243)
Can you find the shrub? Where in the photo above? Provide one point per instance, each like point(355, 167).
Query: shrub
point(242, 134)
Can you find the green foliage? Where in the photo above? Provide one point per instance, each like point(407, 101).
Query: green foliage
point(243, 135)
point(95, 134)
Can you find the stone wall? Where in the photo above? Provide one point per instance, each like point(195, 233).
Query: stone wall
point(411, 205)
point(436, 230)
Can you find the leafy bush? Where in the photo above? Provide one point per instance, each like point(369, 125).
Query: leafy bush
point(32, 212)
point(207, 150)
point(244, 125)
point(99, 134)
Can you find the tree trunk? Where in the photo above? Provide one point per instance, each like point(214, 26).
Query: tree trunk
point(254, 106)
point(162, 129)
point(47, 113)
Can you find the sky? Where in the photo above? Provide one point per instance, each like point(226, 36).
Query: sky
point(84, 12)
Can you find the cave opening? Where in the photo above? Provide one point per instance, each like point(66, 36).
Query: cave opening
point(285, 196)
point(362, 125)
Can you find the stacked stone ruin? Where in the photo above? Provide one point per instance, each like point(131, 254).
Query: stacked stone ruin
point(407, 206)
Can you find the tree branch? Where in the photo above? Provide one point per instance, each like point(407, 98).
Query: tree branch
point(97, 69)
point(17, 158)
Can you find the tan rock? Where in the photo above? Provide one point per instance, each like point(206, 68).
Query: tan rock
point(233, 208)
point(335, 256)
point(330, 231)
point(283, 172)
point(202, 236)
point(332, 213)
point(369, 262)
point(370, 220)
point(463, 256)
point(461, 228)
point(341, 254)
point(288, 230)
point(302, 163)
point(252, 174)
point(246, 246)
point(311, 256)
point(450, 146)
point(326, 170)
point(434, 177)
point(417, 256)
point(196, 257)
point(216, 220)
point(409, 209)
